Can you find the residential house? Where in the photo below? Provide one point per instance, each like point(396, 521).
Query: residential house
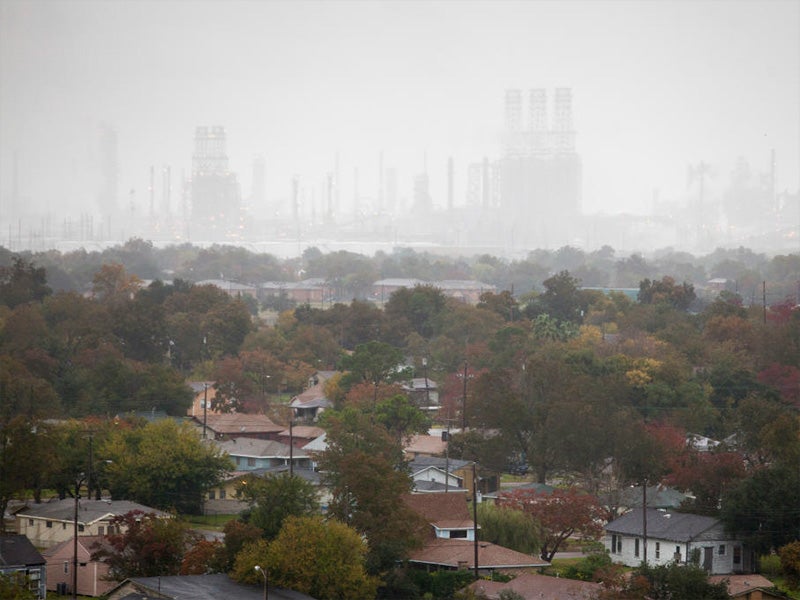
point(204, 394)
point(50, 523)
point(222, 499)
point(447, 514)
point(488, 481)
point(249, 454)
point(441, 554)
point(425, 445)
point(300, 435)
point(92, 574)
point(239, 425)
point(197, 587)
point(309, 404)
point(423, 392)
point(466, 291)
point(384, 288)
point(433, 474)
point(309, 291)
point(532, 586)
point(232, 288)
point(662, 497)
point(701, 443)
point(748, 587)
point(20, 559)
point(451, 543)
point(679, 537)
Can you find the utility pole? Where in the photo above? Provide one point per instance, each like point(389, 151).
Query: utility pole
point(78, 484)
point(291, 445)
point(464, 401)
point(475, 517)
point(205, 407)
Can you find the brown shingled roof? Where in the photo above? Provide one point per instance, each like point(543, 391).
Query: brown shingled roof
point(459, 553)
point(238, 423)
point(539, 587)
point(445, 511)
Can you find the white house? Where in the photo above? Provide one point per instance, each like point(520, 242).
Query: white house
point(679, 537)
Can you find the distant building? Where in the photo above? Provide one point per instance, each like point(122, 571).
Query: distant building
point(540, 171)
point(215, 192)
point(53, 522)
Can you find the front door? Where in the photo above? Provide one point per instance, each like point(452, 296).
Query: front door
point(708, 558)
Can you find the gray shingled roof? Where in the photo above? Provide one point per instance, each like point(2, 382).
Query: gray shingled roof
point(679, 527)
point(423, 462)
point(255, 448)
point(17, 551)
point(89, 510)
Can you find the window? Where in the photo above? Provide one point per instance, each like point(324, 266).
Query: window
point(658, 550)
point(613, 543)
point(81, 527)
point(737, 555)
point(636, 547)
point(721, 550)
point(238, 460)
point(459, 533)
point(49, 524)
point(63, 526)
point(66, 566)
point(30, 522)
point(251, 462)
point(222, 495)
point(211, 495)
point(101, 530)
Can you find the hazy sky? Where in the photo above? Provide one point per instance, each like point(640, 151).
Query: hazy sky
point(656, 85)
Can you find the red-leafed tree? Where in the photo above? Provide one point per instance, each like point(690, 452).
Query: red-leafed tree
point(785, 379)
point(147, 546)
point(707, 475)
point(202, 558)
point(560, 515)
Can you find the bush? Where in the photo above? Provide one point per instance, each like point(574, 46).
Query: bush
point(790, 563)
point(586, 569)
point(770, 565)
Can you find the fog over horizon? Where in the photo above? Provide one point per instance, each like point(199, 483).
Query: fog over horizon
point(659, 89)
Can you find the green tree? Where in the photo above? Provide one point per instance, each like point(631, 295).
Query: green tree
point(363, 468)
point(16, 586)
point(147, 546)
point(18, 461)
point(273, 498)
point(163, 465)
point(419, 307)
point(508, 527)
point(687, 582)
point(324, 559)
point(22, 282)
point(667, 291)
point(562, 299)
point(401, 418)
point(762, 509)
point(238, 534)
point(375, 363)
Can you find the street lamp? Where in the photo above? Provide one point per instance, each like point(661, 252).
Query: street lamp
point(264, 574)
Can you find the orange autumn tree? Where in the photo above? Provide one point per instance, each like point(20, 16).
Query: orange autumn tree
point(561, 514)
